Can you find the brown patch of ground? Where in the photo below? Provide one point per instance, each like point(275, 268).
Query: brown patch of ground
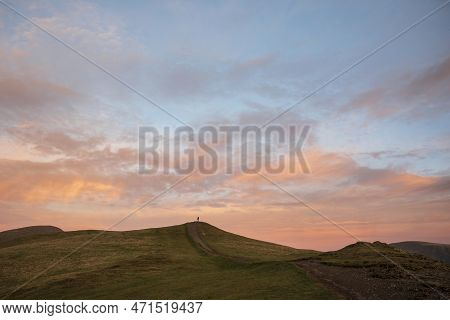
point(357, 272)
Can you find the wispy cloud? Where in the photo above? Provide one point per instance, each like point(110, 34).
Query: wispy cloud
point(68, 133)
point(424, 95)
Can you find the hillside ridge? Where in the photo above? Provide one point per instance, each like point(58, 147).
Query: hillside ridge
point(20, 233)
point(196, 260)
point(438, 251)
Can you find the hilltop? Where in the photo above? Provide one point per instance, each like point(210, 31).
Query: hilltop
point(200, 261)
point(380, 271)
point(162, 263)
point(20, 233)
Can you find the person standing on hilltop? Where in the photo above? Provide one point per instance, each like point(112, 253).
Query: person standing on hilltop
point(198, 219)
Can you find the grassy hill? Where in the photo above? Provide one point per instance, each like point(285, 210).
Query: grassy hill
point(16, 234)
point(165, 263)
point(199, 261)
point(380, 271)
point(436, 251)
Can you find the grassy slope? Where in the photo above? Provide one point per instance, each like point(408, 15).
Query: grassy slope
point(413, 276)
point(433, 250)
point(16, 234)
point(242, 248)
point(361, 255)
point(154, 264)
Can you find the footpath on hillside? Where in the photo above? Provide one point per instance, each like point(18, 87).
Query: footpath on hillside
point(196, 234)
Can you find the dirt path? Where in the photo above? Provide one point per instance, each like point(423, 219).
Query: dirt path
point(323, 275)
point(374, 282)
point(194, 231)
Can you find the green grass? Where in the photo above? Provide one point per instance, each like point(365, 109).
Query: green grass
point(155, 264)
point(242, 248)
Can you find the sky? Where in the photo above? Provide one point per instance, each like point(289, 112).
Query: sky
point(379, 149)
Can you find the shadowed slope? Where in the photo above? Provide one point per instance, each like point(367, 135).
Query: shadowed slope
point(16, 234)
point(366, 271)
point(432, 250)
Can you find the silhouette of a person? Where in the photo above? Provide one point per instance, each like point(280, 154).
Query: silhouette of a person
point(198, 219)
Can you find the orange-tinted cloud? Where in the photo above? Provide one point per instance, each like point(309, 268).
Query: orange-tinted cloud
point(91, 175)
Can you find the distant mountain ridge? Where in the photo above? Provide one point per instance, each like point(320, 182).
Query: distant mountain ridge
point(15, 234)
point(436, 251)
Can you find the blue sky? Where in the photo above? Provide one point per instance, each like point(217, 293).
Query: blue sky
point(224, 62)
